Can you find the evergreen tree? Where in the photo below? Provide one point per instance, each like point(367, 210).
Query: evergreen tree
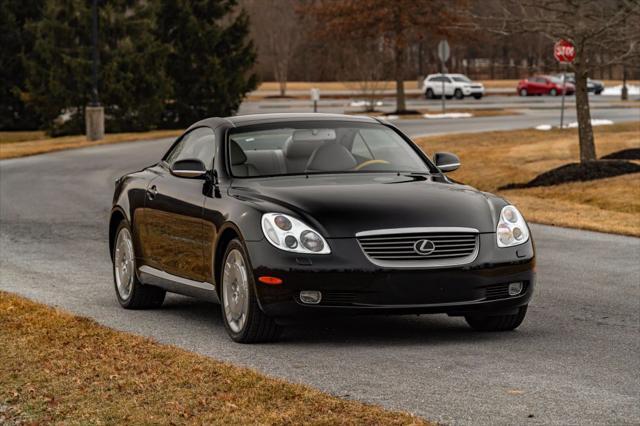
point(210, 60)
point(15, 114)
point(132, 83)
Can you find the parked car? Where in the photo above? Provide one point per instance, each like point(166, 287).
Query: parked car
point(283, 215)
point(455, 85)
point(544, 85)
point(594, 86)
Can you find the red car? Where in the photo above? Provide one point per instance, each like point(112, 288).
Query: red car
point(544, 85)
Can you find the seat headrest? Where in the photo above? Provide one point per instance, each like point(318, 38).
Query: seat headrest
point(299, 148)
point(331, 157)
point(236, 154)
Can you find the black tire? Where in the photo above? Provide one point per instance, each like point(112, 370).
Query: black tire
point(523, 92)
point(497, 322)
point(142, 296)
point(598, 92)
point(258, 327)
point(449, 97)
point(553, 92)
point(429, 94)
point(458, 94)
point(477, 96)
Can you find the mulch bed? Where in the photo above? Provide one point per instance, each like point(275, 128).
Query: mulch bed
point(625, 154)
point(579, 172)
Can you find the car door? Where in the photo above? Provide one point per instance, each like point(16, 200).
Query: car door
point(537, 85)
point(448, 86)
point(174, 208)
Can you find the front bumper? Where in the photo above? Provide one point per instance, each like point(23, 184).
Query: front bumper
point(470, 91)
point(350, 283)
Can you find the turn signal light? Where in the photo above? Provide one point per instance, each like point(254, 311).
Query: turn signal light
point(270, 280)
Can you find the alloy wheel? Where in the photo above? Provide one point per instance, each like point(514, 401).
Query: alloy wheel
point(124, 263)
point(235, 291)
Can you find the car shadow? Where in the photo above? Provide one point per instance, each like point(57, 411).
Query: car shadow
point(365, 330)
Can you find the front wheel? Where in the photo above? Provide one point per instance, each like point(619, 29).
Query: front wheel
point(553, 92)
point(131, 293)
point(243, 319)
point(429, 94)
point(497, 322)
point(479, 96)
point(523, 92)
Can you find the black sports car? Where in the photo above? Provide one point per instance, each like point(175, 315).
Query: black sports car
point(283, 215)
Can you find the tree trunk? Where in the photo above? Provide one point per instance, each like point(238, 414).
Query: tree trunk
point(585, 131)
point(399, 74)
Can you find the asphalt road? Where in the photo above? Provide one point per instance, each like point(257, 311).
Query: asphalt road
point(531, 112)
point(574, 361)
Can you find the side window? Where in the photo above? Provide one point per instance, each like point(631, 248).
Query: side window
point(198, 144)
point(359, 148)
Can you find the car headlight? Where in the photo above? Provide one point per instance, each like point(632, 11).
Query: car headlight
point(512, 229)
point(290, 234)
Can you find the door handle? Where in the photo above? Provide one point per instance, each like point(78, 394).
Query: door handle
point(152, 192)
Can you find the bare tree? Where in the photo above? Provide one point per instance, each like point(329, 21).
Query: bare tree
point(277, 30)
point(365, 70)
point(592, 26)
point(400, 23)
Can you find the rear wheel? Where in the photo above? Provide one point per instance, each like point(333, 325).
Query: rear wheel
point(458, 94)
point(131, 293)
point(553, 92)
point(497, 322)
point(243, 319)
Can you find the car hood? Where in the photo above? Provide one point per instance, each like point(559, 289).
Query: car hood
point(339, 206)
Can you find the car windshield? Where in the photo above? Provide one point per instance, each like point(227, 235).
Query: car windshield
point(557, 80)
point(461, 78)
point(320, 147)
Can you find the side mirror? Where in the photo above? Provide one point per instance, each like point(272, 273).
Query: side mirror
point(446, 161)
point(189, 168)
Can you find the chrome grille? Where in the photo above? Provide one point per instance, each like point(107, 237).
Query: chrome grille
point(402, 247)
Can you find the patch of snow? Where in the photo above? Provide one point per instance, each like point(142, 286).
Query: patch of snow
point(573, 125)
point(617, 90)
point(594, 122)
point(361, 103)
point(449, 115)
point(392, 117)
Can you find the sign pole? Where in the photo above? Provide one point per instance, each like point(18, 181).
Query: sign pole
point(315, 97)
point(565, 52)
point(442, 76)
point(564, 91)
point(443, 54)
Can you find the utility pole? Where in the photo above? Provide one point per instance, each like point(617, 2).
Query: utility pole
point(94, 112)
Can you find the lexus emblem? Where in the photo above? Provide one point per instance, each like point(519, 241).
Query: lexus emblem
point(424, 247)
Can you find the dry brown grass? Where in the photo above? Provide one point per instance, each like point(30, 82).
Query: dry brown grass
point(493, 159)
point(12, 148)
point(56, 368)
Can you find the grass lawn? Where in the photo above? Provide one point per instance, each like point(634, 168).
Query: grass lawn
point(21, 144)
point(60, 368)
point(493, 159)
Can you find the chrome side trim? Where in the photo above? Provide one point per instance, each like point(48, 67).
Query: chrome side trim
point(432, 230)
point(176, 284)
point(423, 263)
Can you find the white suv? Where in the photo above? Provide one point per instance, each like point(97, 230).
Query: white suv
point(455, 85)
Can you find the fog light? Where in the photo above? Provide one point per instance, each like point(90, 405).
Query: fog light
point(311, 297)
point(515, 289)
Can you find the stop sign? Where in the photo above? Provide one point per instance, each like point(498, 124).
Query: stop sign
point(564, 51)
